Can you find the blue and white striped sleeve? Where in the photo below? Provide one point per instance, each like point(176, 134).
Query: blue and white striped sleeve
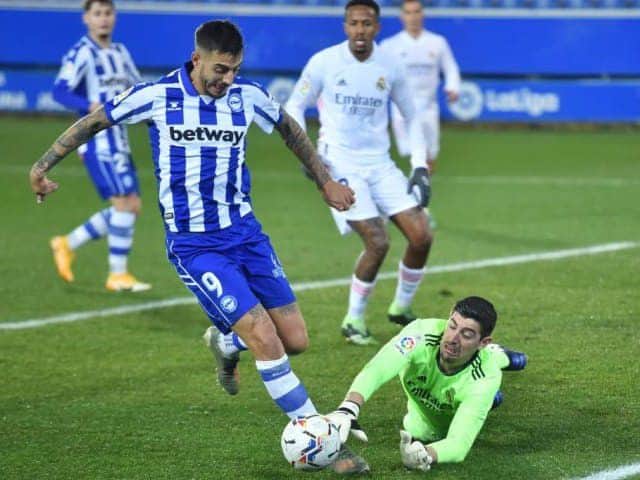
point(266, 108)
point(74, 68)
point(133, 105)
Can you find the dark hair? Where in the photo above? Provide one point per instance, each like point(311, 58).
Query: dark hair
point(410, 1)
point(480, 310)
point(364, 3)
point(88, 3)
point(219, 35)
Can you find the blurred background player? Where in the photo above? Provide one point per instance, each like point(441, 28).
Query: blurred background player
point(352, 82)
point(450, 372)
point(94, 71)
point(424, 55)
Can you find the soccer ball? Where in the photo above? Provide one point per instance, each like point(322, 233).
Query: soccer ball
point(310, 443)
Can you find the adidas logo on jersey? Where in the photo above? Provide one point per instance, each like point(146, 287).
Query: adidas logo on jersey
point(204, 133)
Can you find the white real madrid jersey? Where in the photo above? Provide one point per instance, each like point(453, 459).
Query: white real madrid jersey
point(353, 100)
point(424, 58)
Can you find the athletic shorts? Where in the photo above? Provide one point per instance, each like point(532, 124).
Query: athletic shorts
point(230, 274)
point(380, 188)
point(430, 121)
point(112, 175)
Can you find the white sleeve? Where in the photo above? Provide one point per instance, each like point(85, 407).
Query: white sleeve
point(306, 91)
point(133, 105)
point(74, 68)
point(450, 69)
point(401, 96)
point(266, 107)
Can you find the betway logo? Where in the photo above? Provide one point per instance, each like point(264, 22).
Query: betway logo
point(204, 133)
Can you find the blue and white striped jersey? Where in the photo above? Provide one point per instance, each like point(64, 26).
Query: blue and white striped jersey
point(90, 73)
point(198, 146)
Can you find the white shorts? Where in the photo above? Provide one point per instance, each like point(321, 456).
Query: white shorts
point(380, 188)
point(430, 121)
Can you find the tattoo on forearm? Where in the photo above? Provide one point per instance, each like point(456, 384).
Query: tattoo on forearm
point(76, 135)
point(298, 142)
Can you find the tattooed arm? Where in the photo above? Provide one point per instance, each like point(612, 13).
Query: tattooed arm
point(76, 135)
point(338, 196)
point(299, 143)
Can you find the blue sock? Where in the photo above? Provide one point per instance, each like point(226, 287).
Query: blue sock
point(285, 388)
point(94, 228)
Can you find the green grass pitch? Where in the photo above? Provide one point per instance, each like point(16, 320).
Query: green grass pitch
point(134, 397)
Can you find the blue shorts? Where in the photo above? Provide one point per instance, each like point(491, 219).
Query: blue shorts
point(230, 272)
point(112, 175)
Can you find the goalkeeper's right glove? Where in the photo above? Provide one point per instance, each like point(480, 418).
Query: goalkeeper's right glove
point(345, 418)
point(414, 454)
point(420, 185)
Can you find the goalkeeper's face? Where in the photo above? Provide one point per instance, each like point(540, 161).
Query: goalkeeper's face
point(213, 72)
point(461, 339)
point(100, 20)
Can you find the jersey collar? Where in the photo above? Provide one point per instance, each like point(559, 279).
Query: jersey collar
point(185, 79)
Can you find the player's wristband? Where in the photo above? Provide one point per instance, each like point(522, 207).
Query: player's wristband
point(350, 408)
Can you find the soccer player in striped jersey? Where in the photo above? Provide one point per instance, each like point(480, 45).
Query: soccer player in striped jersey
point(198, 118)
point(450, 372)
point(94, 71)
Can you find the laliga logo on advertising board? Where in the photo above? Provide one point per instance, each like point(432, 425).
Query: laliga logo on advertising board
point(281, 89)
point(473, 100)
point(470, 102)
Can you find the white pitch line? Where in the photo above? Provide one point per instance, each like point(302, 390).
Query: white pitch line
point(336, 282)
point(619, 473)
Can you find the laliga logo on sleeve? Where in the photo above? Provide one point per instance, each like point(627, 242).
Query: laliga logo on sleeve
point(469, 104)
point(406, 345)
point(121, 96)
point(235, 102)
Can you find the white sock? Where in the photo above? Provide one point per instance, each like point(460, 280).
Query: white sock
point(408, 281)
point(93, 229)
point(120, 239)
point(285, 388)
point(230, 344)
point(359, 297)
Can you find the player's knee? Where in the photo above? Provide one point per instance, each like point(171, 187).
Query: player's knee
point(262, 339)
point(421, 241)
point(378, 244)
point(129, 203)
point(296, 342)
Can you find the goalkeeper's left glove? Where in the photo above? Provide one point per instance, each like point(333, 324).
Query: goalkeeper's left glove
point(414, 454)
point(420, 185)
point(346, 419)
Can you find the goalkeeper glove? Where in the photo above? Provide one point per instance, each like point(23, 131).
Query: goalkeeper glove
point(420, 185)
point(345, 418)
point(414, 454)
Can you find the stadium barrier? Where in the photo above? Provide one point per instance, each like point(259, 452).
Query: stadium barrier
point(533, 67)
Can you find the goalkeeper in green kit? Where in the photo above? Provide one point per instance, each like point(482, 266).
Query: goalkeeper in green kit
point(450, 372)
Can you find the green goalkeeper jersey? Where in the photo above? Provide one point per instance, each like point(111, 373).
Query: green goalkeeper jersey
point(447, 410)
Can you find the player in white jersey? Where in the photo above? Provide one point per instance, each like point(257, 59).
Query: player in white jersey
point(352, 83)
point(94, 71)
point(198, 119)
point(425, 56)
